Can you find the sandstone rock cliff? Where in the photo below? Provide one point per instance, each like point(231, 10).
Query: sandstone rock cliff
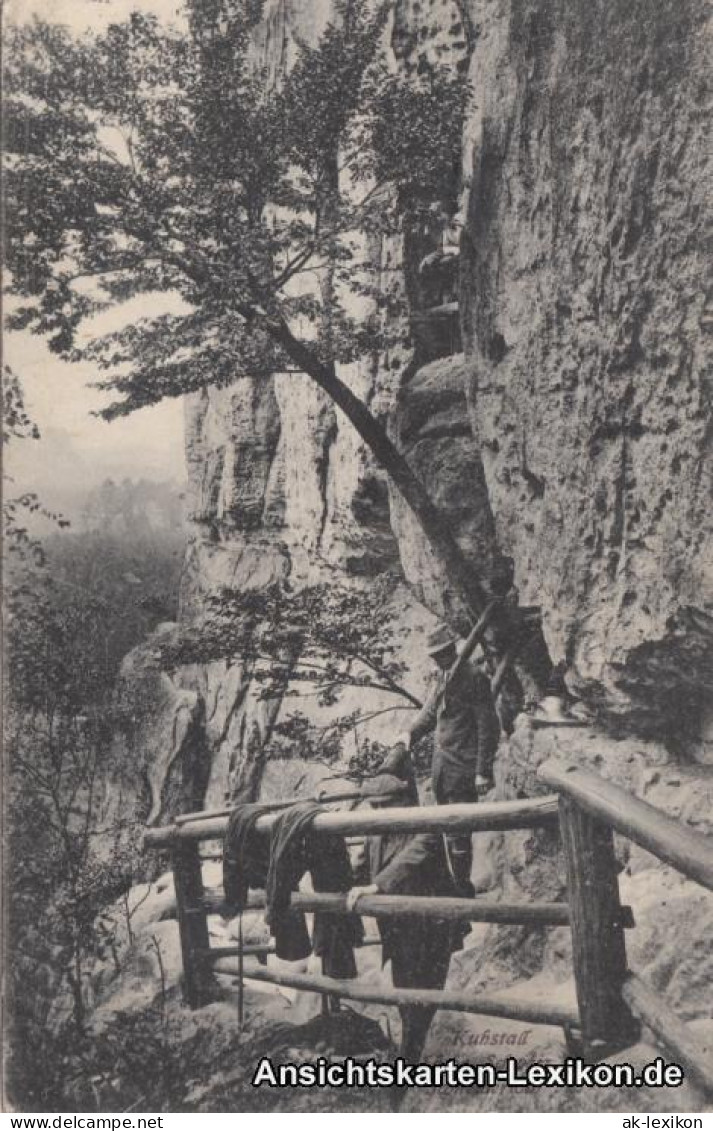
point(585, 323)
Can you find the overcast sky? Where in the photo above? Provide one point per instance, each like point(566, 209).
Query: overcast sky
point(83, 14)
point(77, 449)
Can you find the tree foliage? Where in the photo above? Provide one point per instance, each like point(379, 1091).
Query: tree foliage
point(307, 646)
point(20, 511)
point(74, 603)
point(150, 159)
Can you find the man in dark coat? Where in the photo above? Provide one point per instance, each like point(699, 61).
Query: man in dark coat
point(418, 948)
point(462, 712)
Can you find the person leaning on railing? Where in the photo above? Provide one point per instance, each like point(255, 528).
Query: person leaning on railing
point(462, 712)
point(401, 863)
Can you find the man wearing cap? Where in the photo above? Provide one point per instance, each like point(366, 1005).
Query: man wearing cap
point(462, 712)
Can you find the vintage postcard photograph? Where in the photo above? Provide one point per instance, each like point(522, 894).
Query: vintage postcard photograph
point(357, 561)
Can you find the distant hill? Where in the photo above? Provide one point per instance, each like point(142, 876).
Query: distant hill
point(120, 559)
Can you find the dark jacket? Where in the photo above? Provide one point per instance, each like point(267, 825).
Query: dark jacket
point(246, 862)
point(414, 864)
point(462, 711)
point(294, 850)
point(246, 856)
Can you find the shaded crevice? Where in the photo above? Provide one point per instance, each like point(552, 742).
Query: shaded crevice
point(618, 529)
point(446, 432)
point(329, 438)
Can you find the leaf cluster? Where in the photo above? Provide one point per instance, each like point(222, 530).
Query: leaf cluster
point(150, 160)
point(327, 636)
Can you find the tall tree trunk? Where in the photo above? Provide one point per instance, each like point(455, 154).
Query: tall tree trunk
point(74, 977)
point(457, 572)
point(440, 538)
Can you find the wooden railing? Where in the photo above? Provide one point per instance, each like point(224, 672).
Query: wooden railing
point(200, 961)
point(611, 1001)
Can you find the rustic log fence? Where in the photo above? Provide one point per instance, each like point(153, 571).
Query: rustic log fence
point(612, 1003)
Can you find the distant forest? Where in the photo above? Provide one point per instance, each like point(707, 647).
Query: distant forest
point(123, 556)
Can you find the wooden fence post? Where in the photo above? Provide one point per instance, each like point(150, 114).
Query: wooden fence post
point(192, 922)
point(598, 946)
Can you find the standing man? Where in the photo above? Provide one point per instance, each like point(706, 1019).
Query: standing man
point(418, 947)
point(462, 712)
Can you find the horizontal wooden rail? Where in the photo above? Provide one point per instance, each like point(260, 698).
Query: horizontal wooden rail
point(431, 906)
point(217, 857)
point(688, 851)
point(453, 1000)
point(263, 948)
point(488, 816)
point(326, 799)
point(250, 950)
point(650, 1008)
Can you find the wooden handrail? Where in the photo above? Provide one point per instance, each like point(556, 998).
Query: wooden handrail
point(432, 907)
point(689, 851)
point(474, 637)
point(324, 799)
point(487, 816)
point(256, 950)
point(598, 941)
point(454, 1000)
point(611, 1000)
point(670, 1030)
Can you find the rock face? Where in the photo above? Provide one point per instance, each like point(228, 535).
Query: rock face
point(432, 427)
point(584, 321)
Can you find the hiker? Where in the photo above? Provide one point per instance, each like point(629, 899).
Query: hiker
point(439, 268)
point(462, 712)
point(418, 948)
